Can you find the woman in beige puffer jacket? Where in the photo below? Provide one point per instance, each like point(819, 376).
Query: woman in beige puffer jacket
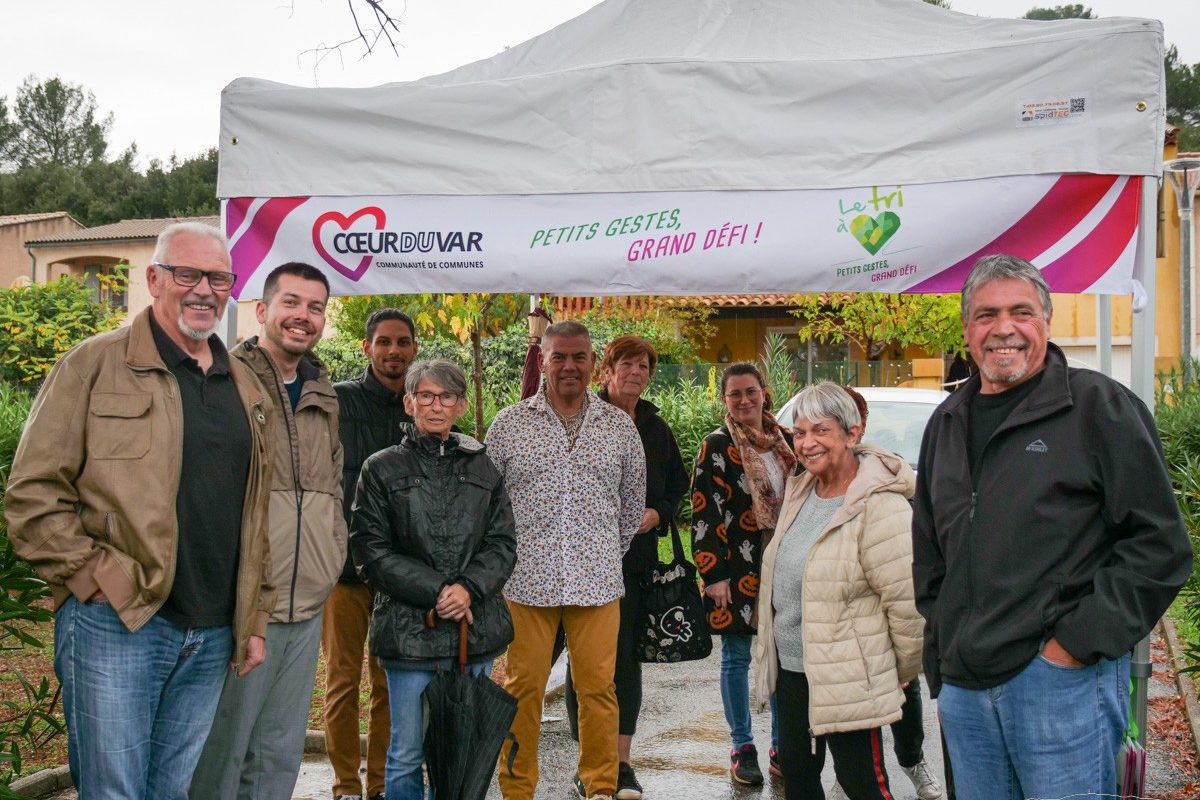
point(838, 633)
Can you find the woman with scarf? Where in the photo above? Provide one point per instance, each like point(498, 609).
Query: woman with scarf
point(737, 488)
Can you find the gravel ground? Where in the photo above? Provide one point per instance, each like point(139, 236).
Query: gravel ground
point(1172, 772)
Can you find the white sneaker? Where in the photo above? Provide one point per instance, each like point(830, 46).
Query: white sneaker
point(923, 781)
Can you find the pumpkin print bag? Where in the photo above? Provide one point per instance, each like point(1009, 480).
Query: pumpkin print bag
point(673, 627)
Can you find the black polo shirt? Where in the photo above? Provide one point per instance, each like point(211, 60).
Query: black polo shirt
point(212, 486)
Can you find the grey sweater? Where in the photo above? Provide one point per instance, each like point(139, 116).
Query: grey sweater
point(788, 580)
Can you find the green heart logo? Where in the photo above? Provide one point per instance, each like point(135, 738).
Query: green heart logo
point(873, 234)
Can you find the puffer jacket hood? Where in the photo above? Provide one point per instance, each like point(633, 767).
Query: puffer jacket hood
point(862, 633)
point(307, 528)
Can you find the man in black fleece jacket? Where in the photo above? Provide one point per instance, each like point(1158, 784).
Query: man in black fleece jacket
point(371, 417)
point(1046, 544)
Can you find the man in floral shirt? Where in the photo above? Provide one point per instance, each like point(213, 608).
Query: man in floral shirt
point(575, 470)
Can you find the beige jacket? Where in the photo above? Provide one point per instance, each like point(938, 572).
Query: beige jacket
point(307, 528)
point(91, 497)
point(862, 632)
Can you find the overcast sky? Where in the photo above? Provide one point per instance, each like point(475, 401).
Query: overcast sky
point(159, 65)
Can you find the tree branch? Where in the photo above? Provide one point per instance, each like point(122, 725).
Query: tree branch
point(386, 27)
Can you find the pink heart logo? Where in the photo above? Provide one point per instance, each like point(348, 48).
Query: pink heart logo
point(344, 222)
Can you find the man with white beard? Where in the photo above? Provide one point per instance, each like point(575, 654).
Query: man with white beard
point(139, 494)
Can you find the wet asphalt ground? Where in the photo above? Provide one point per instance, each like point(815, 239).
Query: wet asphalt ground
point(681, 749)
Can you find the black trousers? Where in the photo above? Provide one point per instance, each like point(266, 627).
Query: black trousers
point(857, 755)
point(628, 677)
point(908, 732)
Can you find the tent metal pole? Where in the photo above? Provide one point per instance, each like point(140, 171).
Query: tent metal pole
point(1185, 177)
point(227, 328)
point(1142, 367)
point(1142, 383)
point(1104, 333)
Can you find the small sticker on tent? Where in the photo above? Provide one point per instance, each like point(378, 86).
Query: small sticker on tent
point(1066, 109)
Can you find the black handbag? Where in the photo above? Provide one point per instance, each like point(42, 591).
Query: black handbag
point(673, 627)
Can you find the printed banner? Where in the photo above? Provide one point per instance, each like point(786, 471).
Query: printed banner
point(1080, 230)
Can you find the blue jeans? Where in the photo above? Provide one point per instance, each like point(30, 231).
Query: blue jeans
point(735, 690)
point(138, 706)
point(1049, 731)
point(406, 750)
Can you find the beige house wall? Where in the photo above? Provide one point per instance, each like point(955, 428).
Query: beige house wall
point(70, 258)
point(15, 264)
point(743, 338)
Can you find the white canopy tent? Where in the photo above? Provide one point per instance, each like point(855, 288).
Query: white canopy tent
point(716, 146)
point(676, 146)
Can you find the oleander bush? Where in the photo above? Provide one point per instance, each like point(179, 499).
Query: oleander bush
point(42, 321)
point(28, 718)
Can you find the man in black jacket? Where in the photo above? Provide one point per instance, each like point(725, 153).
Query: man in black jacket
point(1046, 544)
point(372, 417)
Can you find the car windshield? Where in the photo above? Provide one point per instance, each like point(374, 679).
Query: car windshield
point(898, 426)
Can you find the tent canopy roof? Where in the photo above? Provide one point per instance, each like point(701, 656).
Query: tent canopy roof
point(685, 95)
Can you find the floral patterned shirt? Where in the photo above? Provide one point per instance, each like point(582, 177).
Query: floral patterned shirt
point(577, 509)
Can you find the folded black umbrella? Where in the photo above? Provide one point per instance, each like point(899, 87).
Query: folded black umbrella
point(469, 717)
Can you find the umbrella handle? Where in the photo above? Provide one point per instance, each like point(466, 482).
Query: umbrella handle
point(462, 646)
point(431, 621)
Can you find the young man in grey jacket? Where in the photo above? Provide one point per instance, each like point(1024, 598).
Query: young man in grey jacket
point(257, 740)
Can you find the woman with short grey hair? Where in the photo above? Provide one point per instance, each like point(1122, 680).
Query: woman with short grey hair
point(828, 401)
point(432, 532)
point(838, 631)
point(445, 374)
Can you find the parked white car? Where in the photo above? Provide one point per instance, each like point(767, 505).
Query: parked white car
point(896, 417)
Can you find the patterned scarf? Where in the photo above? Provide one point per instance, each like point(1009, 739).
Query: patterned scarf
point(749, 442)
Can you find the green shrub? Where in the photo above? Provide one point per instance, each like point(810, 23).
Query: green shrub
point(15, 402)
point(664, 329)
point(342, 355)
point(28, 723)
point(778, 371)
point(42, 321)
point(1177, 414)
point(503, 355)
point(494, 400)
point(692, 411)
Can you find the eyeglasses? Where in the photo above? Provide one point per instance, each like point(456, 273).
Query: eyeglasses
point(190, 276)
point(749, 394)
point(446, 399)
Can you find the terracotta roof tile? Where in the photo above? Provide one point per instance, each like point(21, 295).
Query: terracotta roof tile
point(744, 300)
point(124, 230)
point(580, 304)
point(21, 219)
